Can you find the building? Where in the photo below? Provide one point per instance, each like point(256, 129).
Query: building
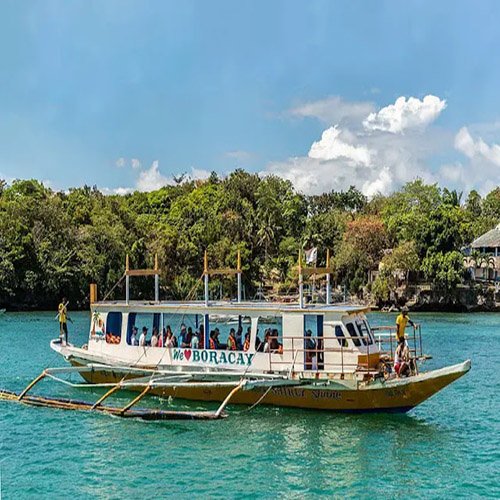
point(483, 256)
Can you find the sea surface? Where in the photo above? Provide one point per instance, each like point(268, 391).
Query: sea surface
point(447, 447)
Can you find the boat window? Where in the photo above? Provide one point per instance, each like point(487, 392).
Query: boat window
point(138, 323)
point(183, 330)
point(114, 327)
point(364, 331)
point(353, 333)
point(269, 334)
point(339, 333)
point(222, 327)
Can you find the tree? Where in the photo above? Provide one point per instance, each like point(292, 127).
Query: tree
point(444, 270)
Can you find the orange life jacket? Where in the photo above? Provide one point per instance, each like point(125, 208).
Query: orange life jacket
point(231, 343)
point(246, 345)
point(212, 343)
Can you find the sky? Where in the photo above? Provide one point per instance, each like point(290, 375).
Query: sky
point(126, 94)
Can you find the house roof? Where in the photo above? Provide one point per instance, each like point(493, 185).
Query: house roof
point(489, 239)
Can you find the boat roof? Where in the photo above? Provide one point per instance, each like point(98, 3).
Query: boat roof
point(231, 307)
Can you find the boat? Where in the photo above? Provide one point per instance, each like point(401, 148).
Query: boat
point(315, 356)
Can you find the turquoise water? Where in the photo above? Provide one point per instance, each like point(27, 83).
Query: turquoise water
point(449, 446)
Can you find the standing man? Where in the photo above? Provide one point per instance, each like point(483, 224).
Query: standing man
point(63, 320)
point(401, 321)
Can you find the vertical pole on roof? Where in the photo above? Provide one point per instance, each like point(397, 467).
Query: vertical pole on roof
point(238, 268)
point(205, 272)
point(328, 291)
point(157, 280)
point(301, 281)
point(127, 280)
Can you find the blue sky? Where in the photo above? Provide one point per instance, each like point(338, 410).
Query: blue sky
point(90, 89)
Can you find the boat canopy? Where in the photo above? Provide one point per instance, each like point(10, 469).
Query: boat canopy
point(226, 307)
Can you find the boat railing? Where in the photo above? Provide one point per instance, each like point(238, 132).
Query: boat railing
point(385, 337)
point(346, 365)
point(384, 340)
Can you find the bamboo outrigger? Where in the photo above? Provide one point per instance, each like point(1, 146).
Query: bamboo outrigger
point(318, 356)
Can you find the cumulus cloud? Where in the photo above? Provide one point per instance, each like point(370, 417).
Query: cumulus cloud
point(334, 109)
point(135, 163)
point(332, 146)
point(476, 149)
point(372, 153)
point(405, 114)
point(151, 178)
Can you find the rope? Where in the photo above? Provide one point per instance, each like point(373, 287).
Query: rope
point(112, 289)
point(258, 401)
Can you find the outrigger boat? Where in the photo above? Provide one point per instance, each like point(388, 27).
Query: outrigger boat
point(344, 368)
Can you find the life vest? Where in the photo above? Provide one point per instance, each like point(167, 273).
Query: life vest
point(231, 343)
point(212, 343)
point(246, 345)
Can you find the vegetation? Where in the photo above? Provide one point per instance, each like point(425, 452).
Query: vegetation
point(56, 243)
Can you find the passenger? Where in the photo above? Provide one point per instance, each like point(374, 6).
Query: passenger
point(401, 322)
point(214, 339)
point(133, 339)
point(402, 360)
point(154, 337)
point(259, 345)
point(183, 340)
point(170, 340)
point(142, 339)
point(195, 341)
point(231, 341)
point(267, 341)
point(239, 338)
point(201, 337)
point(310, 351)
point(246, 344)
point(62, 315)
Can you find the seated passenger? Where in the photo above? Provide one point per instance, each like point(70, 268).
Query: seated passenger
point(133, 338)
point(259, 345)
point(142, 339)
point(161, 338)
point(276, 347)
point(201, 337)
point(402, 360)
point(195, 341)
point(214, 339)
point(170, 340)
point(183, 340)
point(267, 341)
point(239, 338)
point(231, 341)
point(246, 344)
point(154, 337)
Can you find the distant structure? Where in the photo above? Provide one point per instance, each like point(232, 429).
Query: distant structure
point(483, 256)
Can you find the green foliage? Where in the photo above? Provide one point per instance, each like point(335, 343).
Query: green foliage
point(54, 244)
point(444, 270)
point(380, 290)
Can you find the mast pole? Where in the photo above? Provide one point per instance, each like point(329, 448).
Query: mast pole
point(301, 282)
point(127, 280)
point(205, 272)
point(239, 276)
point(157, 280)
point(328, 291)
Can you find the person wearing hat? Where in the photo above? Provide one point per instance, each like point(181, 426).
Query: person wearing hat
point(142, 338)
point(133, 339)
point(401, 321)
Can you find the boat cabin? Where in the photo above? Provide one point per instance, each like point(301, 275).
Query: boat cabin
point(269, 337)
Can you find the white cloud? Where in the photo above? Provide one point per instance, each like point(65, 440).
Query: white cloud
point(375, 159)
point(405, 114)
point(334, 110)
point(332, 146)
point(120, 163)
point(199, 174)
point(239, 155)
point(476, 149)
point(135, 163)
point(151, 179)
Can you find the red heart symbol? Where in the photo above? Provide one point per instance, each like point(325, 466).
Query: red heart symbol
point(187, 354)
